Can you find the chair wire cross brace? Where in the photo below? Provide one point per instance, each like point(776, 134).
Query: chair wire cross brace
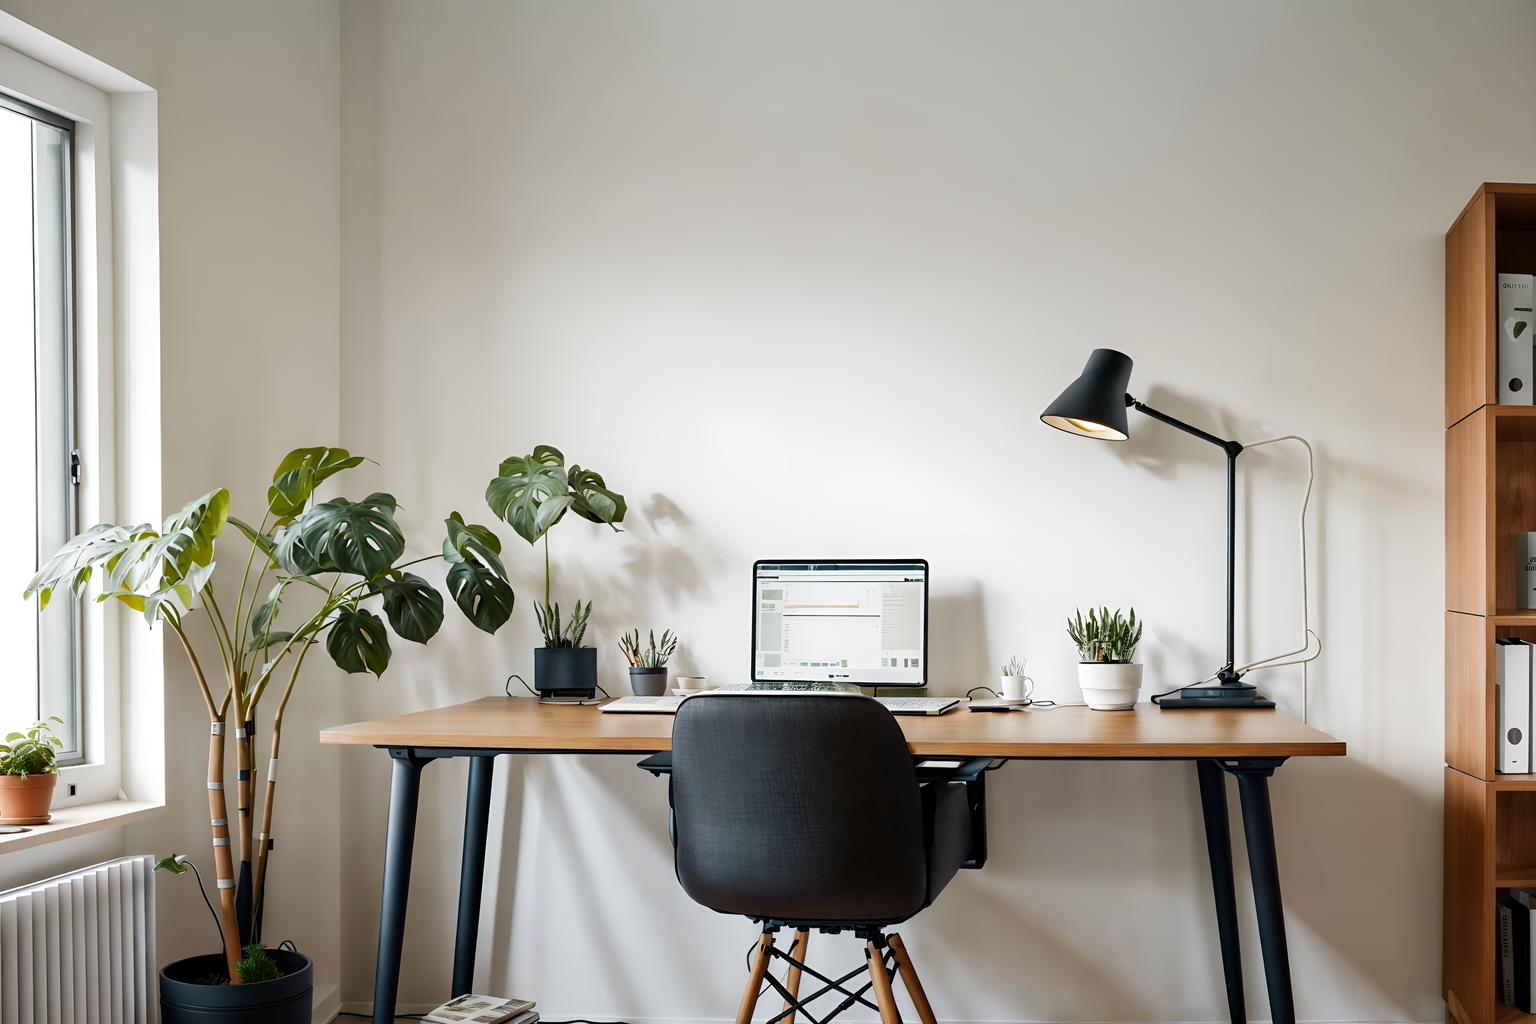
point(880, 955)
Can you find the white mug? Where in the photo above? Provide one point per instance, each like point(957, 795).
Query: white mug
point(693, 682)
point(1017, 687)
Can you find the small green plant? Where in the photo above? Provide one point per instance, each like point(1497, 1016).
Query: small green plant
point(1105, 636)
point(1015, 667)
point(258, 965)
point(255, 965)
point(34, 751)
point(568, 635)
point(653, 656)
point(531, 493)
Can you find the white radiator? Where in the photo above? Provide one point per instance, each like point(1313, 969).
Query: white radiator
point(80, 948)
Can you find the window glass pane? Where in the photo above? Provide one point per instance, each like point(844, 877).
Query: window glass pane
point(36, 417)
point(59, 678)
point(19, 624)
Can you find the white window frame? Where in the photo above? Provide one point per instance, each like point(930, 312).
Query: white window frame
point(116, 394)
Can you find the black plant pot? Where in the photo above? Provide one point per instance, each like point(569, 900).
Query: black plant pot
point(565, 671)
point(648, 682)
point(285, 1000)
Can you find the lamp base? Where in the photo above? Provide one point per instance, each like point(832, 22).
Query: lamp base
point(1224, 695)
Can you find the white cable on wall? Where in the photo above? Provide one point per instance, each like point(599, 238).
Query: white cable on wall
point(1306, 652)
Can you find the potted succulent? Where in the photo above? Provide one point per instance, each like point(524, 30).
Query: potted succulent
point(29, 771)
point(1106, 642)
point(314, 573)
point(532, 493)
point(648, 665)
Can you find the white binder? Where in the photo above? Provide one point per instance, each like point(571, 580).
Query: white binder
point(1517, 354)
point(1513, 684)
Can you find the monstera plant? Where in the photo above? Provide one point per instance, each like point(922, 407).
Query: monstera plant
point(314, 571)
point(532, 493)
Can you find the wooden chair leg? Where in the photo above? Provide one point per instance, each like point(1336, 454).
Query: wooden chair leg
point(792, 982)
point(755, 979)
point(884, 997)
point(909, 979)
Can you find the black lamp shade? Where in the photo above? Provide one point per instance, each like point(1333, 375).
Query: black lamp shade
point(1094, 404)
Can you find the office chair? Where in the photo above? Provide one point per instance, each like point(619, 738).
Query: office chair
point(806, 812)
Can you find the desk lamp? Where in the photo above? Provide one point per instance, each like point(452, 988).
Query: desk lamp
point(1094, 406)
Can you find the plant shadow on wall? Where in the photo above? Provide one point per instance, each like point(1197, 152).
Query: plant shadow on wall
point(668, 563)
point(1334, 896)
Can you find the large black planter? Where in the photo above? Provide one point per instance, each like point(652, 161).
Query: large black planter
point(565, 671)
point(287, 1000)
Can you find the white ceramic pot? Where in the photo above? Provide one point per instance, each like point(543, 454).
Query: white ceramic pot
point(1109, 686)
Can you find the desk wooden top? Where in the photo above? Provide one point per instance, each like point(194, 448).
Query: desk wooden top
point(521, 723)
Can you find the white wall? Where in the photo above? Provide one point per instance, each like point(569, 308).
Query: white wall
point(799, 277)
point(249, 177)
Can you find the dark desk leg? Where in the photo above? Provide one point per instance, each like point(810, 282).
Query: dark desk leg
point(1259, 829)
point(1218, 843)
point(477, 814)
point(404, 789)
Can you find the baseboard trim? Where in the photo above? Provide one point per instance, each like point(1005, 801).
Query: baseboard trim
point(327, 1003)
point(408, 1008)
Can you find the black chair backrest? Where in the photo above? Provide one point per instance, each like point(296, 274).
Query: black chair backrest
point(797, 807)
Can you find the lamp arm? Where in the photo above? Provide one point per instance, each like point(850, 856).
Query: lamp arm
point(1232, 448)
point(1228, 674)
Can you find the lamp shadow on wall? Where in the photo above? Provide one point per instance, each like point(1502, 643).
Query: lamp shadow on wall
point(1340, 899)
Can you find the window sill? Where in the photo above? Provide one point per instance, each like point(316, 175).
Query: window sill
point(80, 820)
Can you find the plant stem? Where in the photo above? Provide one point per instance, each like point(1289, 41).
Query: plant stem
point(546, 569)
point(217, 617)
point(264, 837)
point(197, 667)
point(224, 869)
point(332, 600)
point(244, 576)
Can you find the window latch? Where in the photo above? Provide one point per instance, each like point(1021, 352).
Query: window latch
point(74, 467)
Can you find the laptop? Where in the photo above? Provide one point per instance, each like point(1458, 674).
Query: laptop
point(843, 624)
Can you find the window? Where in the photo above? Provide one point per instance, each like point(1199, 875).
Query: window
point(38, 460)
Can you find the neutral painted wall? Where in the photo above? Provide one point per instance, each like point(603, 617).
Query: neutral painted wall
point(799, 277)
point(249, 165)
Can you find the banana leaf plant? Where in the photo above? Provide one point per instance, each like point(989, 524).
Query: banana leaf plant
point(531, 493)
point(313, 571)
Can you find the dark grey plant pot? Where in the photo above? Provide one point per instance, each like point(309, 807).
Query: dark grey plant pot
point(565, 671)
point(285, 1000)
point(648, 682)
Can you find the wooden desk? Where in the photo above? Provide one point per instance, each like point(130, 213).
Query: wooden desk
point(1247, 744)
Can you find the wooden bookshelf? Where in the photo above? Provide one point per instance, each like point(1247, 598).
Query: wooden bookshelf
point(1490, 498)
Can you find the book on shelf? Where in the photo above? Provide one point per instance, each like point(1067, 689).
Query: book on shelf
point(478, 1009)
point(1525, 544)
point(1512, 705)
point(1517, 355)
point(1506, 951)
point(1520, 901)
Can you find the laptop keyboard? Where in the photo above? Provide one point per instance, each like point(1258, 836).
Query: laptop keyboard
point(916, 705)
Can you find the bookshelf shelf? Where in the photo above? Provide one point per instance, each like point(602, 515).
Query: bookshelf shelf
point(1490, 494)
point(1516, 878)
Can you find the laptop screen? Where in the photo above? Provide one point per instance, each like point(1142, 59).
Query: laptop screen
point(859, 621)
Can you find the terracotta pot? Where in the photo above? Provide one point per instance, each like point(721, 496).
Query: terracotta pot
point(26, 801)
